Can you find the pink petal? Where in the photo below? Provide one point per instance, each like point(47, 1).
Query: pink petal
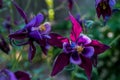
point(87, 66)
point(76, 28)
point(61, 61)
point(98, 46)
point(57, 40)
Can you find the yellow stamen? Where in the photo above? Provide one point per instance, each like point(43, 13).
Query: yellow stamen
point(42, 27)
point(79, 49)
point(103, 5)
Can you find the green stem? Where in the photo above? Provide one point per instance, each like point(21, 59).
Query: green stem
point(114, 40)
point(27, 6)
point(77, 7)
point(16, 61)
point(73, 73)
point(11, 13)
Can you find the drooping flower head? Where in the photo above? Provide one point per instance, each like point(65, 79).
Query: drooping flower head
point(104, 8)
point(6, 74)
point(78, 50)
point(34, 31)
point(3, 45)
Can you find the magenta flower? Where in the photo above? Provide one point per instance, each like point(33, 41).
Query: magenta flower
point(3, 45)
point(34, 31)
point(79, 50)
point(9, 75)
point(104, 8)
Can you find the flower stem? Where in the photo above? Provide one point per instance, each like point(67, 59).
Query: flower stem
point(16, 61)
point(28, 4)
point(114, 40)
point(77, 7)
point(73, 73)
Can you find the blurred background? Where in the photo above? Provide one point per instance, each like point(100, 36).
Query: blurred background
point(56, 12)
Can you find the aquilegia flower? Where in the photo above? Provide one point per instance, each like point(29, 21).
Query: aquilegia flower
point(104, 8)
point(34, 31)
point(3, 45)
point(6, 74)
point(79, 50)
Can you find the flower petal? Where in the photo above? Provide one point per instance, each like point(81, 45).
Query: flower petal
point(10, 74)
point(88, 51)
point(76, 28)
point(112, 3)
point(21, 12)
point(83, 39)
point(45, 49)
point(61, 61)
point(75, 58)
point(48, 28)
point(57, 40)
point(32, 51)
point(67, 47)
point(87, 66)
point(20, 75)
point(35, 35)
point(19, 35)
point(98, 46)
point(35, 22)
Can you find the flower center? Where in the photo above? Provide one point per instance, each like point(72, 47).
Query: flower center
point(79, 49)
point(42, 27)
point(103, 5)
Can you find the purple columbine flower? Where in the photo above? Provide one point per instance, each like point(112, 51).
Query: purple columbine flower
point(3, 45)
point(6, 74)
point(34, 31)
point(104, 8)
point(79, 50)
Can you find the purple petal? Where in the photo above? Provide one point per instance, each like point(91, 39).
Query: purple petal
point(83, 39)
point(20, 75)
point(32, 51)
point(61, 61)
point(10, 74)
point(21, 12)
point(75, 58)
point(87, 66)
point(76, 28)
point(97, 2)
point(19, 35)
point(88, 51)
point(35, 35)
point(57, 40)
point(98, 46)
point(67, 47)
point(48, 28)
point(45, 49)
point(112, 3)
point(36, 21)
